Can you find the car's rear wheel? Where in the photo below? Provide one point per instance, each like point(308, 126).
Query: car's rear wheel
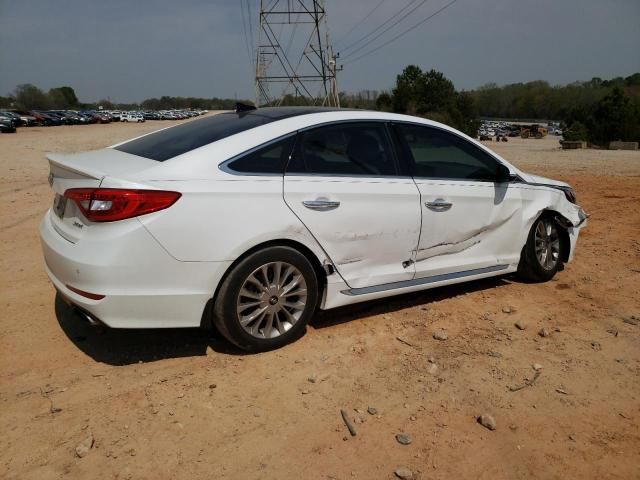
point(541, 256)
point(267, 299)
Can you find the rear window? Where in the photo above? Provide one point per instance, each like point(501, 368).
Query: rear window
point(180, 139)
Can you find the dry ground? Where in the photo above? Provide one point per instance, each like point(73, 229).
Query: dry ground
point(181, 404)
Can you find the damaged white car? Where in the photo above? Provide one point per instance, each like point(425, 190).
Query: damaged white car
point(254, 219)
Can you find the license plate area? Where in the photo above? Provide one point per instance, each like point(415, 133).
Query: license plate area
point(59, 205)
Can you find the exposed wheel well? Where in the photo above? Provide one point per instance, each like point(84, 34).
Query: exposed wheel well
point(321, 274)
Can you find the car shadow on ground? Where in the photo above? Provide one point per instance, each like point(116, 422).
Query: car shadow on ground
point(127, 346)
point(120, 347)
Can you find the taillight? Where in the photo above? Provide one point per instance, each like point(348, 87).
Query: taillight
point(111, 204)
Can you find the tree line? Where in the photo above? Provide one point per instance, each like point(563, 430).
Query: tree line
point(30, 97)
point(596, 110)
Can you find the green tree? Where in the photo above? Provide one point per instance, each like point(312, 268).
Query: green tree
point(384, 102)
point(432, 95)
point(615, 117)
point(63, 97)
point(407, 90)
point(6, 102)
point(29, 96)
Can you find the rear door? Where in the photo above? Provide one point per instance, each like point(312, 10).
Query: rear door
point(470, 217)
point(343, 183)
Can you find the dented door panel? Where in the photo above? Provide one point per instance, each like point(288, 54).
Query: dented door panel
point(371, 230)
point(476, 231)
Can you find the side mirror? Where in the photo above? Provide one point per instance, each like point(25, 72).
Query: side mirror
point(503, 174)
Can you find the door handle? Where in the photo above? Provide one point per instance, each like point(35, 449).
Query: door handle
point(438, 205)
point(321, 205)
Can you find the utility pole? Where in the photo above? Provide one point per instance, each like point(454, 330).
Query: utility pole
point(294, 57)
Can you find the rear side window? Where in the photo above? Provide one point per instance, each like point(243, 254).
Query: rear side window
point(269, 160)
point(360, 149)
point(436, 153)
point(174, 141)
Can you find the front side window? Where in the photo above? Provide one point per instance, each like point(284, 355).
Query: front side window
point(437, 153)
point(360, 149)
point(270, 159)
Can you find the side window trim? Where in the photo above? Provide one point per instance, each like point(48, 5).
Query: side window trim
point(406, 152)
point(387, 136)
point(225, 166)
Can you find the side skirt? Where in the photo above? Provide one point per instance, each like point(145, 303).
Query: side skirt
point(423, 281)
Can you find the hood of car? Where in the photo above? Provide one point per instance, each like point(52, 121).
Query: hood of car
point(529, 177)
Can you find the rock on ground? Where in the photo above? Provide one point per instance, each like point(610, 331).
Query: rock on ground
point(84, 447)
point(487, 421)
point(404, 473)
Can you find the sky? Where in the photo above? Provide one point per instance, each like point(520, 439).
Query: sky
point(128, 50)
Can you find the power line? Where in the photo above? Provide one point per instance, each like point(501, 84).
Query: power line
point(250, 21)
point(387, 29)
point(382, 25)
point(246, 38)
point(404, 32)
point(360, 22)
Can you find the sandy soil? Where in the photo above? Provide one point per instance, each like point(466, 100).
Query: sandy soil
point(183, 405)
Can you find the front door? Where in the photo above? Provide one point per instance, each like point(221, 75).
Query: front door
point(342, 182)
point(470, 216)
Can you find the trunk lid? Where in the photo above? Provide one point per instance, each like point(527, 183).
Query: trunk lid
point(85, 170)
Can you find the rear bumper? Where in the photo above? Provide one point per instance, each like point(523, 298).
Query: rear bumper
point(143, 286)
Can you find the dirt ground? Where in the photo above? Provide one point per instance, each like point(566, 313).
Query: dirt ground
point(181, 404)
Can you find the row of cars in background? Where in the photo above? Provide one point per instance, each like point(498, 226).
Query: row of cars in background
point(501, 130)
point(11, 119)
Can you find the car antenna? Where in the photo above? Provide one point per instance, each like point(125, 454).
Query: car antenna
point(243, 107)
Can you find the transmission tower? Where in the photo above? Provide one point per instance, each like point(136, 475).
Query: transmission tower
point(294, 56)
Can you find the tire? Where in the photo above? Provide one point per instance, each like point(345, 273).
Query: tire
point(541, 256)
point(280, 309)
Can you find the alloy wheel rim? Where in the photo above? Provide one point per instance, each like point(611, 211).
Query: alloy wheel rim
point(547, 244)
point(271, 300)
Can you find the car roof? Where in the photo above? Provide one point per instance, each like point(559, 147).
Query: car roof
point(245, 130)
point(196, 163)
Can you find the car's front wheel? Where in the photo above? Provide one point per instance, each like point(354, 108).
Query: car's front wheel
point(541, 256)
point(267, 299)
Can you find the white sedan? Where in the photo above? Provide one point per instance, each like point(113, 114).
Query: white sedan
point(131, 117)
point(252, 220)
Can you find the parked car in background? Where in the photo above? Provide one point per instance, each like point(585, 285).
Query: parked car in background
point(48, 119)
point(255, 219)
point(10, 119)
point(131, 117)
point(103, 117)
point(151, 116)
point(7, 125)
point(28, 118)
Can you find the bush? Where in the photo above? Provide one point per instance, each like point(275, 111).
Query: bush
point(576, 132)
